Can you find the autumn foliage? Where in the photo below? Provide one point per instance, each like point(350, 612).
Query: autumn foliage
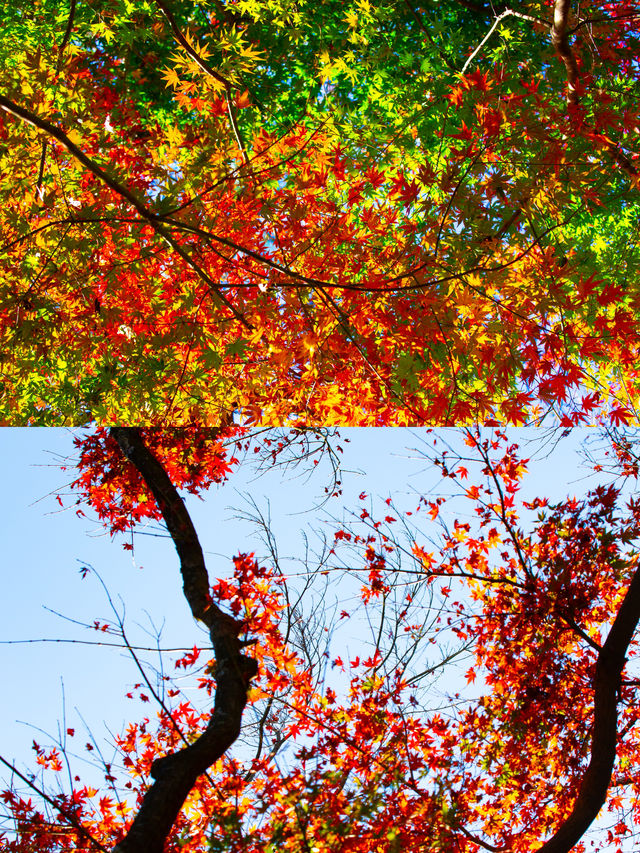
point(194, 459)
point(529, 735)
point(319, 213)
point(236, 214)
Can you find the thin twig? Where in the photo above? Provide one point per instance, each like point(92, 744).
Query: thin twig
point(43, 157)
point(211, 72)
point(450, 202)
point(425, 30)
point(204, 65)
point(91, 643)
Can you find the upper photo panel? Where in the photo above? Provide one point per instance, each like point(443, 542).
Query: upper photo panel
point(323, 212)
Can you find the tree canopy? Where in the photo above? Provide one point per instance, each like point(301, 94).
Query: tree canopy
point(319, 212)
point(528, 609)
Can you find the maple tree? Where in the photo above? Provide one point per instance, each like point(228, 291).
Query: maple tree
point(319, 213)
point(541, 601)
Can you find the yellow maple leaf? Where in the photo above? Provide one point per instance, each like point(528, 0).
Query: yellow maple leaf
point(255, 55)
point(352, 20)
point(174, 136)
point(75, 137)
point(171, 78)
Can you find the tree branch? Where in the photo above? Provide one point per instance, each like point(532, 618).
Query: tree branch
point(428, 35)
point(228, 88)
point(175, 774)
point(597, 777)
point(560, 41)
point(474, 7)
point(43, 158)
point(622, 160)
point(153, 219)
point(505, 14)
point(65, 814)
point(67, 34)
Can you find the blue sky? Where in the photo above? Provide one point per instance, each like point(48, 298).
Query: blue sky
point(45, 548)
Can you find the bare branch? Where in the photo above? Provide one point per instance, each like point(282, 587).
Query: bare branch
point(95, 643)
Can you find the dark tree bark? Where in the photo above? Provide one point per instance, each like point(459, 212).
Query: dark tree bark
point(597, 778)
point(175, 774)
point(560, 40)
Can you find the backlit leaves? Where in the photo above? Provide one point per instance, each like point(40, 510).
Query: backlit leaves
point(325, 182)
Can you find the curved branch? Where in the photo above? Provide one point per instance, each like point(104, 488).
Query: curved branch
point(597, 777)
point(153, 219)
point(175, 774)
point(560, 39)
